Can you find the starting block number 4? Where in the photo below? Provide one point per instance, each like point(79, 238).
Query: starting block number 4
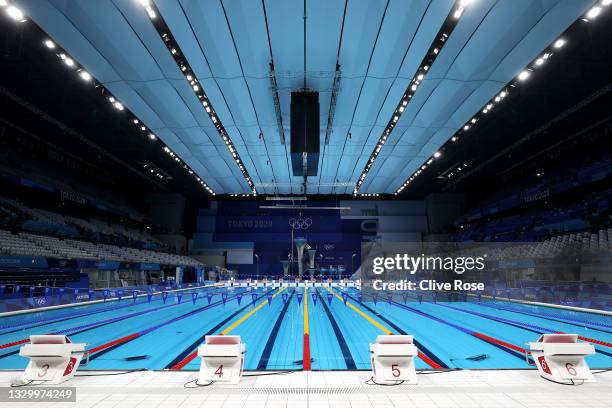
point(219, 371)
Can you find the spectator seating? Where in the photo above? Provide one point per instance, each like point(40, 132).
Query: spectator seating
point(41, 245)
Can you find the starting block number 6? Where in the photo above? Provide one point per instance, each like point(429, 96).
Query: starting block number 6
point(570, 369)
point(219, 371)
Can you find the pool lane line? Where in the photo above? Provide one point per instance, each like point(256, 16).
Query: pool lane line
point(42, 321)
point(510, 348)
point(365, 316)
point(190, 356)
point(424, 353)
point(187, 354)
point(13, 343)
point(306, 353)
point(78, 329)
point(89, 326)
point(502, 345)
point(75, 317)
point(84, 328)
point(251, 313)
point(554, 318)
point(526, 326)
point(68, 316)
point(346, 352)
point(516, 322)
point(550, 316)
point(107, 347)
point(180, 361)
point(267, 351)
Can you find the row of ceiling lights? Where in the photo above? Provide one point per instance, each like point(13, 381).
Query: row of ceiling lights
point(18, 15)
point(13, 12)
point(153, 171)
point(521, 77)
point(86, 76)
point(165, 34)
point(433, 52)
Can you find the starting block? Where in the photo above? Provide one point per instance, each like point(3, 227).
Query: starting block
point(392, 359)
point(560, 358)
point(53, 358)
point(222, 359)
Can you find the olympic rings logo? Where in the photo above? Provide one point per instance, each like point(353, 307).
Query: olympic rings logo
point(300, 223)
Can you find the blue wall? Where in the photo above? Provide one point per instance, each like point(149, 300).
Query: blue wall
point(242, 225)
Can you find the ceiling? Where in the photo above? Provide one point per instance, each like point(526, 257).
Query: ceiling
point(378, 44)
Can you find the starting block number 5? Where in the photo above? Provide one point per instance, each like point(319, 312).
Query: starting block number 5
point(395, 371)
point(219, 371)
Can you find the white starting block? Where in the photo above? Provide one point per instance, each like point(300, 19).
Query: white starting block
point(560, 358)
point(53, 358)
point(392, 359)
point(222, 359)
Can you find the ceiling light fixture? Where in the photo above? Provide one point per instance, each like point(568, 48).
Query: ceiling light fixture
point(594, 12)
point(69, 61)
point(166, 36)
point(16, 14)
point(432, 53)
point(559, 43)
point(521, 77)
point(86, 76)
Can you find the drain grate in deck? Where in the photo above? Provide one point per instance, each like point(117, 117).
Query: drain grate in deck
point(296, 390)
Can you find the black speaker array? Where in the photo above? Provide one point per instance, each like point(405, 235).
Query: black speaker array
point(305, 133)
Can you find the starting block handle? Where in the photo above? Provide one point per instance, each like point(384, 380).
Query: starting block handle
point(86, 355)
point(527, 353)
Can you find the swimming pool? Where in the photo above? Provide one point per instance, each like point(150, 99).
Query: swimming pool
point(297, 328)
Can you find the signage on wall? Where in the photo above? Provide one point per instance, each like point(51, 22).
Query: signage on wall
point(300, 223)
point(249, 224)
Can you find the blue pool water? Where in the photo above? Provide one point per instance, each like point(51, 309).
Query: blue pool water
point(279, 334)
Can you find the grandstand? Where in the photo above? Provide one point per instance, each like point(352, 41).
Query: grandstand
point(41, 245)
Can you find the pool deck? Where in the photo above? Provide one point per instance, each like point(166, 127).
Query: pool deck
point(334, 389)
